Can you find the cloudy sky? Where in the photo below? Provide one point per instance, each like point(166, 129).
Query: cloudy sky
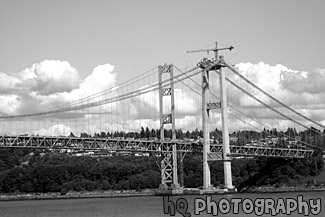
point(54, 52)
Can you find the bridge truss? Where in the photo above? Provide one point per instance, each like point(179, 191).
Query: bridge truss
point(109, 144)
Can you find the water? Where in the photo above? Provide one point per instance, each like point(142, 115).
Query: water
point(131, 206)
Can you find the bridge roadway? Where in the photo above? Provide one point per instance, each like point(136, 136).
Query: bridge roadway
point(111, 144)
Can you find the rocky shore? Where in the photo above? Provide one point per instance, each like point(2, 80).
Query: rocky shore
point(93, 194)
point(270, 189)
point(147, 192)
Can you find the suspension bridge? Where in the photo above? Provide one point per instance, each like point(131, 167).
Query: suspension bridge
point(213, 94)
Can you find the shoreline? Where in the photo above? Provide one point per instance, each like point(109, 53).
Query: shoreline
point(147, 192)
point(272, 189)
point(75, 195)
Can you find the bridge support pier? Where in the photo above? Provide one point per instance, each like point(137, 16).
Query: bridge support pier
point(225, 131)
point(206, 106)
point(206, 130)
point(169, 163)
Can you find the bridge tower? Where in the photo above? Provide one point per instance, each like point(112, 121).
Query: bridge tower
point(225, 129)
point(169, 162)
point(214, 65)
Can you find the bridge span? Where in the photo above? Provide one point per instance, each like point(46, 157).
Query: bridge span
point(144, 145)
point(167, 100)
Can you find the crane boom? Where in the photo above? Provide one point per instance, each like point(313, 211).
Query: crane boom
point(200, 50)
point(215, 50)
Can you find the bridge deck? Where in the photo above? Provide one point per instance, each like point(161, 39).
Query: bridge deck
point(109, 144)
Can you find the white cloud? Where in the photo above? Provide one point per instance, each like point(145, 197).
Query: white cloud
point(51, 83)
point(8, 83)
point(264, 76)
point(304, 82)
point(55, 130)
point(9, 104)
point(50, 76)
point(100, 79)
point(295, 88)
point(302, 91)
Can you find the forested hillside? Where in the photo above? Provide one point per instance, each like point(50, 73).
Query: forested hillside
point(34, 171)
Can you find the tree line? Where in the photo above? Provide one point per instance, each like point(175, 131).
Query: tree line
point(35, 171)
point(310, 136)
point(50, 172)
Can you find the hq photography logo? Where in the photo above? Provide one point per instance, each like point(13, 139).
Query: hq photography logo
point(258, 206)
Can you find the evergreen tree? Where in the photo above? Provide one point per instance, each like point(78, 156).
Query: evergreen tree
point(153, 133)
point(102, 134)
point(148, 133)
point(142, 133)
point(188, 134)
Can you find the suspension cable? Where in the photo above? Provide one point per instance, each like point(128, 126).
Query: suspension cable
point(266, 105)
point(110, 100)
point(230, 81)
point(273, 98)
point(110, 90)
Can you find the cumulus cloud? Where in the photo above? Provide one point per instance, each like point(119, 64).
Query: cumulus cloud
point(7, 86)
point(50, 76)
point(301, 90)
point(291, 86)
point(304, 82)
point(101, 78)
point(51, 83)
point(264, 76)
point(9, 104)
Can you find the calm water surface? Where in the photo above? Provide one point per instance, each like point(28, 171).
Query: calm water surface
point(130, 206)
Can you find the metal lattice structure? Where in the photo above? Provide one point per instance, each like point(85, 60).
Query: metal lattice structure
point(169, 161)
point(108, 144)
